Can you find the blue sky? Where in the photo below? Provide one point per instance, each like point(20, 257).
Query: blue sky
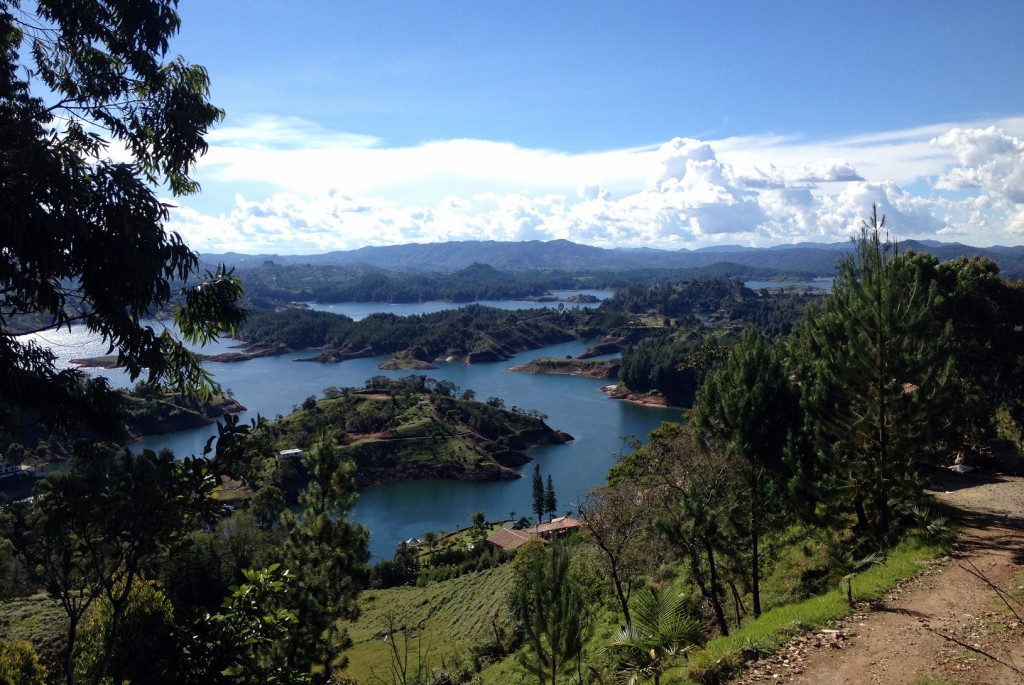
point(663, 124)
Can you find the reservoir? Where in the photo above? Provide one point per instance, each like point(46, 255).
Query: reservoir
point(398, 511)
point(269, 386)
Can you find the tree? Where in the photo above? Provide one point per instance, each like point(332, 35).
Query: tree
point(660, 633)
point(748, 408)
point(19, 664)
point(244, 635)
point(985, 316)
point(552, 613)
point(550, 502)
point(620, 520)
point(430, 539)
point(874, 382)
point(327, 554)
point(688, 481)
point(83, 237)
point(148, 651)
point(538, 494)
point(96, 528)
point(479, 521)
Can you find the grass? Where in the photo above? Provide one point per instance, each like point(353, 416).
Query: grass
point(777, 625)
point(449, 618)
point(36, 619)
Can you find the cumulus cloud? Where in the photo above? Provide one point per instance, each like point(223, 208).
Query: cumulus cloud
point(989, 160)
point(338, 191)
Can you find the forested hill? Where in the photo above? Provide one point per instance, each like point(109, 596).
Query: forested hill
point(805, 259)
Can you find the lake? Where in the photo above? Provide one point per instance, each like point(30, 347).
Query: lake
point(360, 310)
point(396, 511)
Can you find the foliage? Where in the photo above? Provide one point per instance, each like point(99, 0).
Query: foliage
point(984, 319)
point(877, 365)
point(673, 364)
point(550, 501)
point(485, 333)
point(692, 515)
point(83, 239)
point(412, 427)
point(552, 613)
point(250, 627)
point(95, 528)
point(620, 520)
point(19, 664)
point(748, 409)
point(679, 299)
point(147, 650)
point(538, 494)
point(659, 633)
point(327, 553)
point(40, 621)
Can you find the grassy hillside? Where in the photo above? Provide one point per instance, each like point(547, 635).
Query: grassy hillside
point(444, 620)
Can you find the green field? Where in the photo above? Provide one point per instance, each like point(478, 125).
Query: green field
point(443, 619)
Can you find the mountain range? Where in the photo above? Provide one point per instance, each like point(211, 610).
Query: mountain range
point(803, 259)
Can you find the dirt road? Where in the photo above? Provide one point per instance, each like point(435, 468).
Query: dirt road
point(940, 622)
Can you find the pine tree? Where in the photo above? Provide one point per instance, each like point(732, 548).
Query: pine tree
point(874, 384)
point(552, 612)
point(538, 494)
point(747, 408)
point(550, 502)
point(327, 553)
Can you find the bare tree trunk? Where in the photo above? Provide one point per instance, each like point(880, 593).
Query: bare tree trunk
point(716, 602)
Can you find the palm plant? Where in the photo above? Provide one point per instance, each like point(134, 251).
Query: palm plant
point(659, 633)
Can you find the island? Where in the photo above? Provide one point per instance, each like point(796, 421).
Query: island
point(415, 428)
point(153, 412)
point(471, 334)
point(590, 368)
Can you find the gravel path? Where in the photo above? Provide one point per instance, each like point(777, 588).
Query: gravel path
point(937, 623)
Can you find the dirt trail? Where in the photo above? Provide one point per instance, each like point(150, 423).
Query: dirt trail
point(931, 624)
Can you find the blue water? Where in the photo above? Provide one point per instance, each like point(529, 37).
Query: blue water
point(360, 310)
point(274, 385)
point(823, 284)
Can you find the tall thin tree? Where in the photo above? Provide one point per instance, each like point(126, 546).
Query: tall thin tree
point(550, 501)
point(538, 494)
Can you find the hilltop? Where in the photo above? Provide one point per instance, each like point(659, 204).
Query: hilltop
point(415, 428)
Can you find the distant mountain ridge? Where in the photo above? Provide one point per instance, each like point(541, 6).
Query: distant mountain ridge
point(804, 259)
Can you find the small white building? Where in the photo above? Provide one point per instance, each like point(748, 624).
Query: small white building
point(293, 453)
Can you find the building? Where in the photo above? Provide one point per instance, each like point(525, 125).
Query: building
point(511, 538)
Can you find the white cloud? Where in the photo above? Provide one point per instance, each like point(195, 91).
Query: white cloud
point(990, 160)
point(311, 190)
